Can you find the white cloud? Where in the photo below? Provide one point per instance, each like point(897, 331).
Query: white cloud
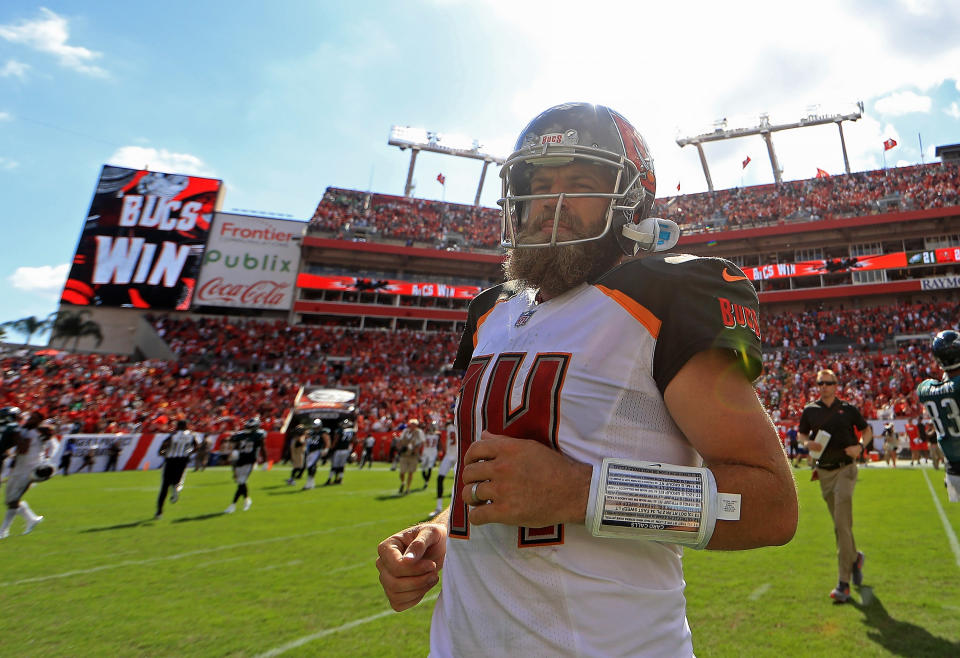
point(49, 34)
point(918, 7)
point(13, 68)
point(140, 157)
point(903, 102)
point(745, 63)
point(5, 116)
point(45, 280)
point(953, 110)
point(6, 164)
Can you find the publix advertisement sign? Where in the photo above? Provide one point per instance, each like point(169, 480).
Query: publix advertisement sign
point(250, 262)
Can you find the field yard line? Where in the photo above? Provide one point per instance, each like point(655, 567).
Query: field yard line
point(330, 631)
point(760, 591)
point(201, 551)
point(951, 535)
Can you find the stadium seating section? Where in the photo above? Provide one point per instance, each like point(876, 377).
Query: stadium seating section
point(228, 370)
point(352, 213)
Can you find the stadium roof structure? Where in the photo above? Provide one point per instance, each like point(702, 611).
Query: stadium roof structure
point(765, 129)
point(418, 139)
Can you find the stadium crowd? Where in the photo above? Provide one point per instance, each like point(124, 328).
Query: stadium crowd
point(345, 211)
point(866, 328)
point(227, 370)
point(862, 193)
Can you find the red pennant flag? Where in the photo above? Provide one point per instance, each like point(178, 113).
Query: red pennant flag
point(441, 179)
point(889, 144)
point(746, 162)
point(822, 174)
point(678, 186)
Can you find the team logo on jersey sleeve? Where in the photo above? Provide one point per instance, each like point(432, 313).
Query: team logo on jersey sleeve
point(737, 315)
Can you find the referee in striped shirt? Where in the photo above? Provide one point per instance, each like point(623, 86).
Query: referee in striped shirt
point(176, 450)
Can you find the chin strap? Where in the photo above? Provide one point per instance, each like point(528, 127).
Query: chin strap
point(653, 234)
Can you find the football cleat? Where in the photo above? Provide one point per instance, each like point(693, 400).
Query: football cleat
point(175, 496)
point(31, 524)
point(247, 504)
point(231, 509)
point(858, 569)
point(840, 593)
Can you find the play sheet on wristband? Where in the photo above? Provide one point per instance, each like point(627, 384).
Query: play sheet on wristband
point(662, 500)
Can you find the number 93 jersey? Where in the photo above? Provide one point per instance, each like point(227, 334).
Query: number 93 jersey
point(942, 400)
point(584, 373)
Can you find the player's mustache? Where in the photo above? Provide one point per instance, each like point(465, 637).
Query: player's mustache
point(566, 219)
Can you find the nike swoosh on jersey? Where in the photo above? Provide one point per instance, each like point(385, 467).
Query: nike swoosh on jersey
point(732, 277)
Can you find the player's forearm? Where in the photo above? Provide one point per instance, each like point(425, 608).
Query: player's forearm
point(768, 505)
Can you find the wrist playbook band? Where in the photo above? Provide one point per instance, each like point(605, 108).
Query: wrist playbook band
point(657, 502)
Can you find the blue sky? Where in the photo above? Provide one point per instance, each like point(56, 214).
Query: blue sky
point(282, 99)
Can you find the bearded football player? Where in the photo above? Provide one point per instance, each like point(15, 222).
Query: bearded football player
point(606, 418)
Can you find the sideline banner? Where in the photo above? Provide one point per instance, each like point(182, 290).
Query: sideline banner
point(141, 450)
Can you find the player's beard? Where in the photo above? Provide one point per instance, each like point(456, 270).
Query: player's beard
point(555, 270)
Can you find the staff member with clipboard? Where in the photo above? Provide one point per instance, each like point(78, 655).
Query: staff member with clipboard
point(836, 447)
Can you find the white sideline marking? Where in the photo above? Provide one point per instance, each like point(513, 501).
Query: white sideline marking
point(330, 631)
point(951, 535)
point(760, 591)
point(200, 551)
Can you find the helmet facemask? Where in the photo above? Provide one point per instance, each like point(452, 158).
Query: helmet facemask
point(517, 200)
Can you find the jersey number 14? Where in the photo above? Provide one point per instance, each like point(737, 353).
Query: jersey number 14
point(536, 418)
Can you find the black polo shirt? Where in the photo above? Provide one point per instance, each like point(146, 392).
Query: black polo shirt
point(838, 419)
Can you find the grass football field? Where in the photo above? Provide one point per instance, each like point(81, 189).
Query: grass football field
point(295, 575)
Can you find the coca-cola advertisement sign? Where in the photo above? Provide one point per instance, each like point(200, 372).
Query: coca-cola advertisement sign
point(250, 262)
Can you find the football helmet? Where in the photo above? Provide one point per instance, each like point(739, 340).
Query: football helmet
point(592, 134)
point(10, 415)
point(253, 423)
point(42, 472)
point(946, 349)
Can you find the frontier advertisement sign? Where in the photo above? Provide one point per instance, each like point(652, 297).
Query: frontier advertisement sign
point(250, 262)
point(143, 240)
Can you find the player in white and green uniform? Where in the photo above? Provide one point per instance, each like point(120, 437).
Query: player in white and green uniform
point(942, 400)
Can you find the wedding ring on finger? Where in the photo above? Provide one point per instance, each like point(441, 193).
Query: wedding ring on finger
point(475, 499)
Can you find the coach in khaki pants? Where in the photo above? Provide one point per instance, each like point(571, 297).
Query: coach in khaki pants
point(827, 428)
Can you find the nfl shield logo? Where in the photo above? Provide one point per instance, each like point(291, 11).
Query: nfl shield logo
point(524, 318)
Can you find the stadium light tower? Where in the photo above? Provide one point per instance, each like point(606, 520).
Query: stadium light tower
point(765, 129)
point(418, 139)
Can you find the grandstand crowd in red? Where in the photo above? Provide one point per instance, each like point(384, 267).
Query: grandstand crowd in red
point(863, 193)
point(228, 370)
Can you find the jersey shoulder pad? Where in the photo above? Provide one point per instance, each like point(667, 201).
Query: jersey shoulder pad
point(699, 302)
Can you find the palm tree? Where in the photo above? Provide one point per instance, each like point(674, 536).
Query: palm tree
point(73, 324)
point(29, 326)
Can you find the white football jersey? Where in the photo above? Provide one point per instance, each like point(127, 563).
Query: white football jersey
point(583, 373)
point(26, 462)
point(431, 442)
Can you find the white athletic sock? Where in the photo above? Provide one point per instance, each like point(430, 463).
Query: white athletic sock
point(8, 519)
point(31, 516)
